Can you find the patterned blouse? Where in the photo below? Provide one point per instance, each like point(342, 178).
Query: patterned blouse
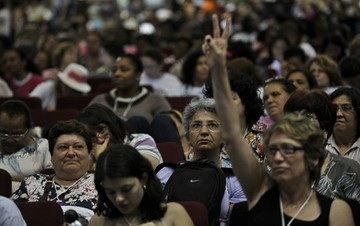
point(81, 193)
point(255, 138)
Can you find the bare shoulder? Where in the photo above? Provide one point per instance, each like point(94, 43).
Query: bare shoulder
point(341, 214)
point(96, 220)
point(176, 215)
point(174, 207)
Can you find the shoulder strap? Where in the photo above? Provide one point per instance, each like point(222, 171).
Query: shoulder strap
point(47, 188)
point(165, 164)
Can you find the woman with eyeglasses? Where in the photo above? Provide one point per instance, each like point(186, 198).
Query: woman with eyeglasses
point(345, 140)
point(339, 175)
point(204, 133)
point(282, 193)
point(110, 129)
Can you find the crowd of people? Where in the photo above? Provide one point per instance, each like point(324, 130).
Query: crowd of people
point(275, 104)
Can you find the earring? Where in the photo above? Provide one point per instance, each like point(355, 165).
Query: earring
point(144, 187)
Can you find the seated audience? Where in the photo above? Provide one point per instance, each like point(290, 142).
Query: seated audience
point(276, 93)
point(326, 72)
point(71, 81)
point(130, 193)
point(204, 133)
point(140, 108)
point(301, 79)
point(339, 175)
point(194, 73)
point(21, 153)
point(245, 94)
point(17, 71)
point(110, 129)
point(282, 192)
point(72, 186)
point(163, 83)
point(345, 138)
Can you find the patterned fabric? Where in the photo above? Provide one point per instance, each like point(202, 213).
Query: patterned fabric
point(353, 152)
point(255, 138)
point(145, 144)
point(28, 160)
point(341, 179)
point(81, 194)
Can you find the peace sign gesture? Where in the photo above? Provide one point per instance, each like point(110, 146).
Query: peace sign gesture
point(215, 47)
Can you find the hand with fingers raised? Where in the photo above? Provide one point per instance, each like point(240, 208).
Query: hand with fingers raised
point(215, 47)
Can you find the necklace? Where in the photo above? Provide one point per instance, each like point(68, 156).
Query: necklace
point(297, 213)
point(64, 190)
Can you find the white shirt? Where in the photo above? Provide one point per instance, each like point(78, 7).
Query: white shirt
point(46, 92)
point(166, 85)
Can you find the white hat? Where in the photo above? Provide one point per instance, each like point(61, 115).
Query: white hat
point(75, 76)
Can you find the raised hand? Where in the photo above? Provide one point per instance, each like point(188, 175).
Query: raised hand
point(215, 47)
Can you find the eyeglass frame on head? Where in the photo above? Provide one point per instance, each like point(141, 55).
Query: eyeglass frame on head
point(344, 108)
point(13, 135)
point(284, 149)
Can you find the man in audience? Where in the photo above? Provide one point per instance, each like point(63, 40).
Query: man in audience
point(21, 154)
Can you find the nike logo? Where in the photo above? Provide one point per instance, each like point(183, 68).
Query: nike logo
point(194, 181)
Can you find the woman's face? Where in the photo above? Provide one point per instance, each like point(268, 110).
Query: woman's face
point(70, 157)
point(201, 70)
point(125, 193)
point(286, 167)
point(70, 56)
point(320, 75)
point(124, 74)
point(275, 98)
point(346, 118)
point(205, 132)
point(151, 67)
point(298, 79)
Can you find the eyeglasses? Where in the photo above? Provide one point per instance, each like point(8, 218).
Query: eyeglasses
point(17, 136)
point(212, 126)
point(344, 108)
point(284, 149)
point(311, 116)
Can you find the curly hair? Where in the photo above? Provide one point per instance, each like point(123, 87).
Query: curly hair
point(121, 161)
point(247, 90)
point(189, 67)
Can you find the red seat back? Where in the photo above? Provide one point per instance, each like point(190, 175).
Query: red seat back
point(170, 151)
point(5, 183)
point(197, 212)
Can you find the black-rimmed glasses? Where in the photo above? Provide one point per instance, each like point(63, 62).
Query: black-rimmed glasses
point(284, 149)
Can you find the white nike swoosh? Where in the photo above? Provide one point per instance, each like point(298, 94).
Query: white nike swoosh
point(193, 181)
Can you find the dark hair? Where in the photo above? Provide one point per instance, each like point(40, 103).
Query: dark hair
point(155, 54)
point(189, 66)
point(135, 60)
point(96, 113)
point(247, 67)
point(247, 90)
point(354, 96)
point(307, 133)
point(121, 161)
point(313, 101)
point(17, 108)
point(286, 84)
point(69, 127)
point(309, 77)
point(349, 67)
point(295, 52)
